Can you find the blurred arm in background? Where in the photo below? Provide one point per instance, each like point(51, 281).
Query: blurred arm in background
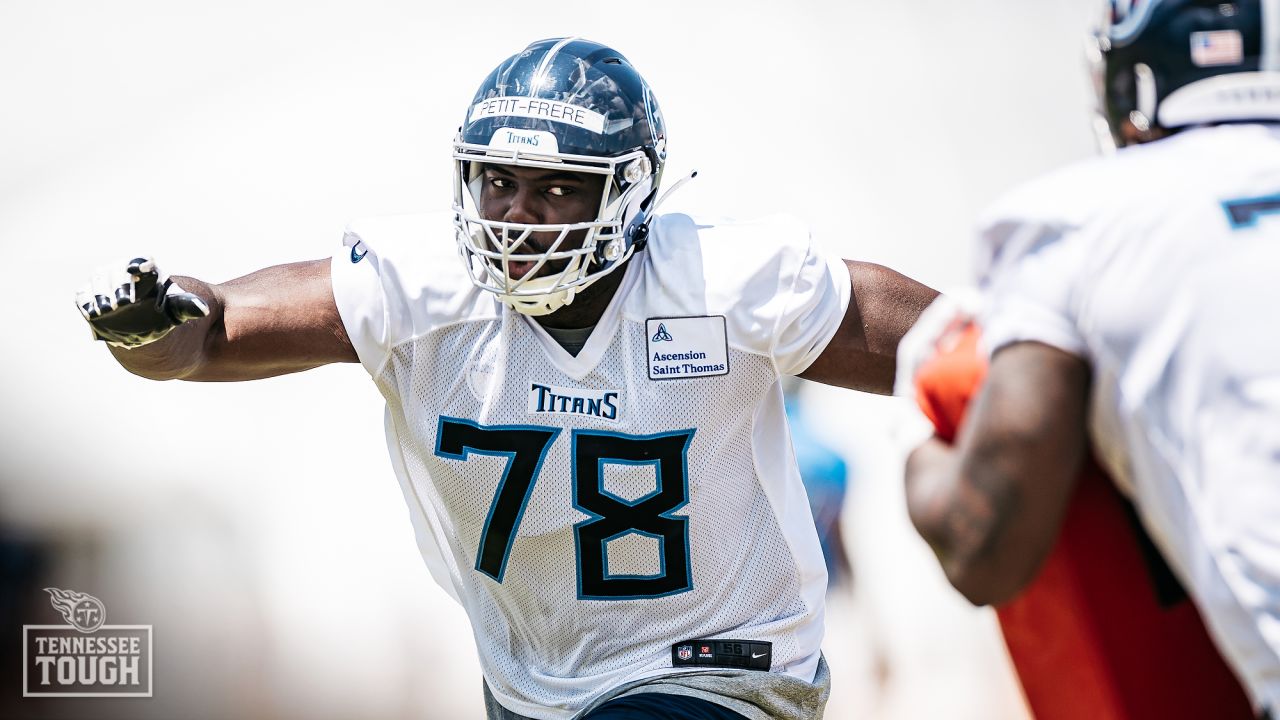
point(990, 507)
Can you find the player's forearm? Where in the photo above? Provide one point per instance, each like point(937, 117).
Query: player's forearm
point(184, 352)
point(967, 521)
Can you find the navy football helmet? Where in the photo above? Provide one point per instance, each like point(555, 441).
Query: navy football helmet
point(1168, 64)
point(565, 104)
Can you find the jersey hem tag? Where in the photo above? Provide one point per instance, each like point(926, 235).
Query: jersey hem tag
point(703, 652)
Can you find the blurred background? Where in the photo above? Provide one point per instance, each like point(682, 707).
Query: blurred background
point(259, 527)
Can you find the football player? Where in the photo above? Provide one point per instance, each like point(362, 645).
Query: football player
point(1129, 301)
point(583, 399)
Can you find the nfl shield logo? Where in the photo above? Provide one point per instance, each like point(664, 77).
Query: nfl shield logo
point(684, 652)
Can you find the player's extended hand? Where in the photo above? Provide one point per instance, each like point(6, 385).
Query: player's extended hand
point(137, 304)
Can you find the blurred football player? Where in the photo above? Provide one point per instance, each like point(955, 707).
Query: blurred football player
point(1129, 301)
point(584, 413)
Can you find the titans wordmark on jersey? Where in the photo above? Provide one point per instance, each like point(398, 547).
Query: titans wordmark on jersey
point(590, 511)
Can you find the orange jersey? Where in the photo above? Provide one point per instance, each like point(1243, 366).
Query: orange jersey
point(1104, 631)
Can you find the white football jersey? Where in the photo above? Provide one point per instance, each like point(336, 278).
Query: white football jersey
point(1161, 267)
point(589, 512)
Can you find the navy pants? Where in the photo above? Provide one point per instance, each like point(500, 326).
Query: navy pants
point(661, 706)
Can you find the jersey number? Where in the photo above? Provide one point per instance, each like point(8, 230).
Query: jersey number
point(611, 517)
point(1244, 213)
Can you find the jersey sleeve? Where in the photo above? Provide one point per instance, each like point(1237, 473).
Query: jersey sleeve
point(396, 278)
point(814, 304)
point(1030, 287)
point(781, 295)
point(362, 300)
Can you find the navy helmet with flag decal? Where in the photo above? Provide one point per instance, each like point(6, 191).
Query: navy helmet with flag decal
point(565, 104)
point(1161, 65)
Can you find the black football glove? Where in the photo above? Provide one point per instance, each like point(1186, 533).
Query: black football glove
point(136, 305)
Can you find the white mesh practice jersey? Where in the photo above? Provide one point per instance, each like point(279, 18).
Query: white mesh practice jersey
point(1161, 266)
point(591, 511)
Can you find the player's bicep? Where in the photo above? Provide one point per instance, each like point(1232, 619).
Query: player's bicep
point(884, 304)
point(278, 320)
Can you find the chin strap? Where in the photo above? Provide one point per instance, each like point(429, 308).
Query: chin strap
point(640, 237)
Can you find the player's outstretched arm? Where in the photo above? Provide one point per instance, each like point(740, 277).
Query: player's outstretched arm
point(279, 320)
point(883, 307)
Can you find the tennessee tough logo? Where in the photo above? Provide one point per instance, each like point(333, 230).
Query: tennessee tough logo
point(86, 657)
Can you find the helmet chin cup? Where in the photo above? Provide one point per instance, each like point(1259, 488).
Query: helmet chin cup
point(553, 276)
point(544, 295)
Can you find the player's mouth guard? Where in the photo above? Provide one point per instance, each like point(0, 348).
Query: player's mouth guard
point(496, 244)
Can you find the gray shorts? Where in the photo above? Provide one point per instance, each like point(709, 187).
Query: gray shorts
point(754, 694)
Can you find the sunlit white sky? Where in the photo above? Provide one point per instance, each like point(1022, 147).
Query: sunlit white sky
point(223, 137)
